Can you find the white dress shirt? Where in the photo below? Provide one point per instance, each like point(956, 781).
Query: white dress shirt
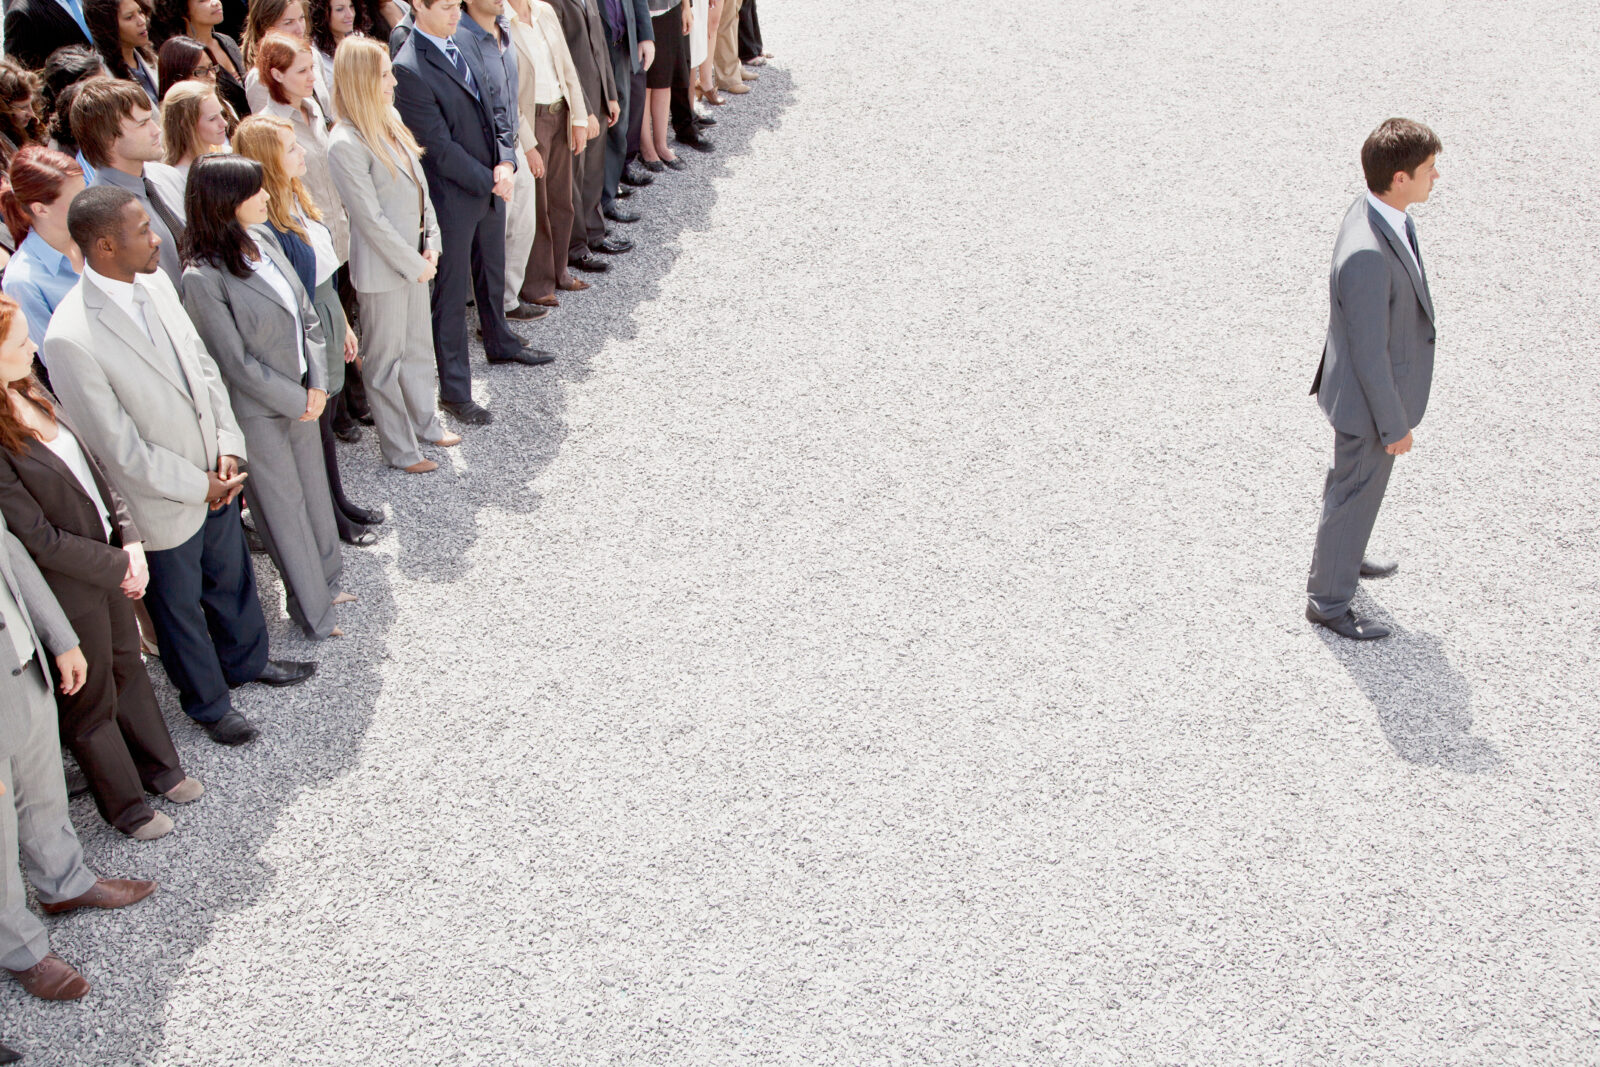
point(268, 272)
point(68, 451)
point(1396, 220)
point(122, 294)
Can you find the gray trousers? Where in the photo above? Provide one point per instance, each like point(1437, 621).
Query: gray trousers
point(1351, 497)
point(293, 509)
point(398, 369)
point(33, 820)
point(588, 178)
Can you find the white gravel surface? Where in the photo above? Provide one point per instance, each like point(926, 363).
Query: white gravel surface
point(879, 640)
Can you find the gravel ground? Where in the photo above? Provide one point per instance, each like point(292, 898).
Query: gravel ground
point(879, 640)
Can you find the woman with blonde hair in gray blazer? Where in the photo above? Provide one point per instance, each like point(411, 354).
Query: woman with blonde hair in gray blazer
point(394, 252)
point(258, 323)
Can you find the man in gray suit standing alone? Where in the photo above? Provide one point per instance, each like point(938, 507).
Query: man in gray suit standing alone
point(1377, 365)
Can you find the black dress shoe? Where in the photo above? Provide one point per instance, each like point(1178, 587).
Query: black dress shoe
point(1352, 626)
point(526, 312)
point(231, 729)
point(704, 121)
point(529, 357)
point(349, 434)
point(77, 783)
point(675, 163)
point(468, 412)
point(636, 173)
point(697, 141)
point(624, 191)
point(9, 1055)
point(613, 246)
point(364, 516)
point(1379, 568)
point(590, 264)
point(359, 536)
point(654, 166)
point(279, 673)
point(618, 214)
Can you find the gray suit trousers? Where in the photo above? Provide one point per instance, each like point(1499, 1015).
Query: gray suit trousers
point(34, 823)
point(1351, 497)
point(293, 510)
point(398, 369)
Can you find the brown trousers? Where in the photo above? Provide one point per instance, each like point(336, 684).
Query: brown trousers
point(113, 725)
point(547, 263)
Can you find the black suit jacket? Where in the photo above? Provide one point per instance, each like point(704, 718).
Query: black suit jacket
point(591, 53)
point(35, 28)
point(465, 136)
point(59, 525)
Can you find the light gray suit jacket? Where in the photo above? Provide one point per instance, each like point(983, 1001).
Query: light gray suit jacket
point(156, 432)
point(254, 337)
point(1377, 362)
point(385, 222)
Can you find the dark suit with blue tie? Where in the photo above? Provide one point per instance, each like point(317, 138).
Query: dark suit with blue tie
point(465, 137)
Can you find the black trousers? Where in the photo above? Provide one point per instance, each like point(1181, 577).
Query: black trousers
point(749, 32)
point(636, 106)
point(588, 179)
point(113, 725)
point(202, 599)
point(617, 136)
point(472, 262)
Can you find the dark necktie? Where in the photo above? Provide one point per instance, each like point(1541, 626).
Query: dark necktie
point(1411, 235)
point(457, 60)
point(168, 219)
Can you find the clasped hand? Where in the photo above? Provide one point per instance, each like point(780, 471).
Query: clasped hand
point(138, 576)
point(224, 483)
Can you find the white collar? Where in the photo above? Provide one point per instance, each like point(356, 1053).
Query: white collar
point(121, 292)
point(1393, 216)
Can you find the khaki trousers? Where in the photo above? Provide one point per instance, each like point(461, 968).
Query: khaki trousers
point(726, 47)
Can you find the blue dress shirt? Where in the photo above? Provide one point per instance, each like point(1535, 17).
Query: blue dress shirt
point(38, 278)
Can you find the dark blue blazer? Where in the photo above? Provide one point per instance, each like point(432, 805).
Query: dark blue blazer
point(637, 14)
point(465, 136)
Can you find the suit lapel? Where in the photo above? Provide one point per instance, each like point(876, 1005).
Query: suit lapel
point(1404, 253)
point(113, 318)
point(437, 58)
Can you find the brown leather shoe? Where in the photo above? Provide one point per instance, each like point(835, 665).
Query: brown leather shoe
point(52, 978)
point(572, 285)
point(105, 893)
point(421, 466)
point(546, 301)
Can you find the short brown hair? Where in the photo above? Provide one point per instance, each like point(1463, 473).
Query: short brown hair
point(97, 113)
point(1396, 145)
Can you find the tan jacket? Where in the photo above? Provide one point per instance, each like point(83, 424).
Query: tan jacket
point(547, 23)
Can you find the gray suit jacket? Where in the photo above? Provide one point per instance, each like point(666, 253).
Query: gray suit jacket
point(157, 433)
point(47, 624)
point(1377, 362)
point(254, 337)
point(385, 223)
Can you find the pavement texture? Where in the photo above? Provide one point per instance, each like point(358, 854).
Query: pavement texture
point(879, 639)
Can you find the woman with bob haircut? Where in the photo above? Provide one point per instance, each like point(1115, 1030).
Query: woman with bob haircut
point(257, 322)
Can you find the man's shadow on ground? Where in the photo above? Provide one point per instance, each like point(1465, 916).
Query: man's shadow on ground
point(1424, 704)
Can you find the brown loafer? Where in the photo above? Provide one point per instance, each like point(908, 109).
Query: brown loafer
point(52, 978)
point(572, 285)
point(421, 466)
point(546, 301)
point(105, 893)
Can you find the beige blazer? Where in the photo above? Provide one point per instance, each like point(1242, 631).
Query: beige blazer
point(548, 24)
point(385, 223)
point(157, 433)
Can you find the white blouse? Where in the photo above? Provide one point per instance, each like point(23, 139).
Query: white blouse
point(68, 451)
point(268, 272)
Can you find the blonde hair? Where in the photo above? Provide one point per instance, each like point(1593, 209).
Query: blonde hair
point(260, 137)
point(357, 74)
point(180, 114)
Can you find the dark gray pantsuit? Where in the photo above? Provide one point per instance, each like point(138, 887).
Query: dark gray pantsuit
point(1351, 496)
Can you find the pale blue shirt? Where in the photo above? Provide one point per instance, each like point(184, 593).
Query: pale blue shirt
point(38, 278)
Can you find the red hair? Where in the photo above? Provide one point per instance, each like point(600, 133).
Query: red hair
point(36, 176)
point(16, 435)
point(277, 51)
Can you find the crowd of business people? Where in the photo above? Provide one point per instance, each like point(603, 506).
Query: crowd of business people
point(237, 233)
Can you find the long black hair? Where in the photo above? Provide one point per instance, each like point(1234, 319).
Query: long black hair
point(212, 234)
point(104, 18)
point(171, 19)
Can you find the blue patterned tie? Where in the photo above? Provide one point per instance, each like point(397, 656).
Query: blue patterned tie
point(453, 54)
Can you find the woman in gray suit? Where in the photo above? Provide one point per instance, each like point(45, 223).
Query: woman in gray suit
point(394, 251)
point(259, 325)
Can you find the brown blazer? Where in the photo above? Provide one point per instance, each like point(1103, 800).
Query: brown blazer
point(48, 511)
